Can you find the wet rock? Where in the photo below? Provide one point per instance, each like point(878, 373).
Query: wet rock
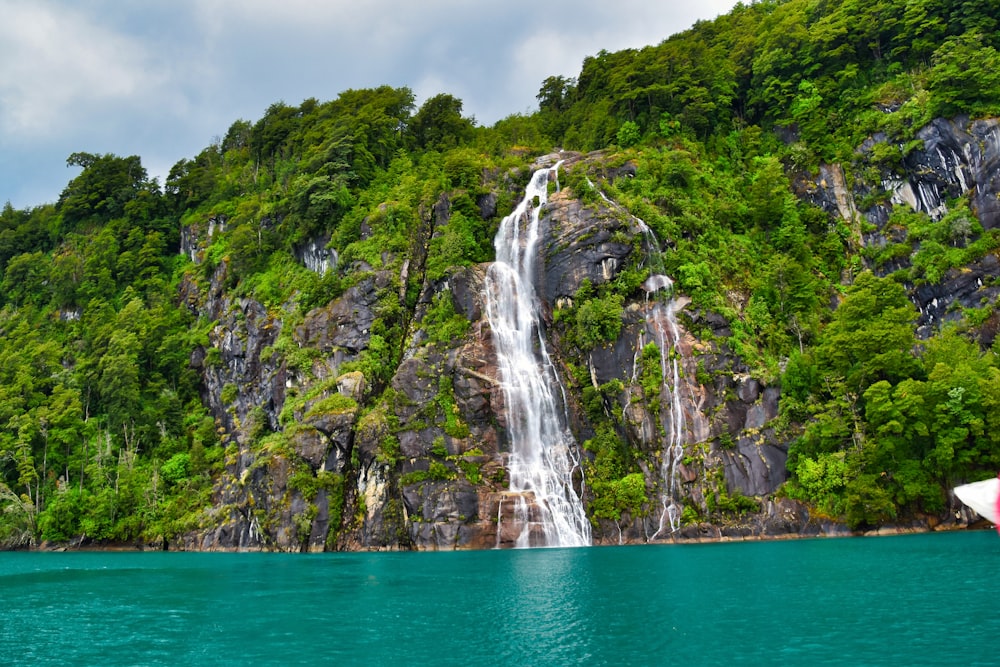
point(344, 323)
point(316, 256)
point(487, 204)
point(312, 445)
point(466, 289)
point(756, 466)
point(580, 243)
point(244, 385)
point(957, 158)
point(441, 501)
point(352, 385)
point(967, 287)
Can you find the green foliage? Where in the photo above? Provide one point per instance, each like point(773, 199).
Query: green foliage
point(438, 447)
point(108, 187)
point(439, 124)
point(733, 504)
point(388, 450)
point(471, 469)
point(596, 319)
point(437, 471)
point(176, 468)
point(965, 75)
point(628, 134)
point(60, 522)
point(616, 488)
point(308, 483)
point(228, 393)
point(102, 432)
point(916, 425)
point(651, 378)
point(332, 404)
point(822, 481)
point(619, 496)
point(445, 399)
point(455, 245)
point(442, 323)
point(870, 336)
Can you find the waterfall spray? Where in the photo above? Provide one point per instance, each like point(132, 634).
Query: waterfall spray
point(544, 454)
point(662, 322)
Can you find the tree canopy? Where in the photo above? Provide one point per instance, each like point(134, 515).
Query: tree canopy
point(105, 430)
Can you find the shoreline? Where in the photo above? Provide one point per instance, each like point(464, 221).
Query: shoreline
point(883, 531)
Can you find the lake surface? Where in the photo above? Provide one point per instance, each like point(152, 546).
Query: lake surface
point(929, 599)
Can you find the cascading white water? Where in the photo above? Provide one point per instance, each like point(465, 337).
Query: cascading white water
point(663, 322)
point(663, 319)
point(544, 454)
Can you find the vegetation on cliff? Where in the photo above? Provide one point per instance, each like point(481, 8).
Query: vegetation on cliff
point(105, 428)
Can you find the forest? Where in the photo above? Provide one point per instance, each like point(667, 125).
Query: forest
point(106, 434)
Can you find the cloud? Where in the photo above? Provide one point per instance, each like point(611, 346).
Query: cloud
point(56, 62)
point(160, 80)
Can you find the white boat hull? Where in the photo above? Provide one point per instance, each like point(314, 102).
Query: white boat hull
point(982, 497)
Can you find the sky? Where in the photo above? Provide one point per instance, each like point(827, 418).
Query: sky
point(163, 80)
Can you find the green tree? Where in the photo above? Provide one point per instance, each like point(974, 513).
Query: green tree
point(965, 76)
point(870, 337)
point(119, 380)
point(26, 279)
point(628, 134)
point(102, 190)
point(439, 124)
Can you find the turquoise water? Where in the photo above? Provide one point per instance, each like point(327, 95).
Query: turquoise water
point(927, 599)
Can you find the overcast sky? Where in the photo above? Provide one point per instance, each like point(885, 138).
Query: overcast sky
point(162, 80)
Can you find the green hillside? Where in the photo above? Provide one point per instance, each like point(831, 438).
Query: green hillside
point(106, 427)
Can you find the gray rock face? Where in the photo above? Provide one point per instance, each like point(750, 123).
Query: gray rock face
point(244, 385)
point(957, 158)
point(971, 286)
point(316, 459)
point(487, 204)
point(425, 466)
point(581, 243)
point(316, 257)
point(756, 467)
point(195, 238)
point(344, 323)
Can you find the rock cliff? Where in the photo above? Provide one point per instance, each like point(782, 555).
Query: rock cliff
point(317, 458)
point(951, 165)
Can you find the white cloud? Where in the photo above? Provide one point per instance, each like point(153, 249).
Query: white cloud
point(56, 62)
point(160, 80)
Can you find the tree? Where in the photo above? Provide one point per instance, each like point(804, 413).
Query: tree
point(102, 190)
point(439, 124)
point(870, 337)
point(965, 76)
point(628, 134)
point(555, 94)
point(25, 279)
point(119, 379)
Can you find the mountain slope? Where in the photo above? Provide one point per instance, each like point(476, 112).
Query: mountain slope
point(768, 288)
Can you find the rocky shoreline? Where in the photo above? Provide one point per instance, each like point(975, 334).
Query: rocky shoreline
point(692, 534)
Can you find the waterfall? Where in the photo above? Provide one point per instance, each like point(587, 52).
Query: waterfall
point(544, 454)
point(662, 321)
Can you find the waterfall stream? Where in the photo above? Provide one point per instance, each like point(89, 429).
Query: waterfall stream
point(662, 323)
point(544, 454)
point(662, 319)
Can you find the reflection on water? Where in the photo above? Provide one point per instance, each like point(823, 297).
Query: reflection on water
point(892, 600)
point(547, 621)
